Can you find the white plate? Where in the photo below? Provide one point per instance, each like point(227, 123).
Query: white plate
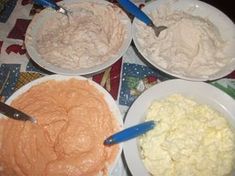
point(199, 91)
point(44, 15)
point(197, 8)
point(116, 166)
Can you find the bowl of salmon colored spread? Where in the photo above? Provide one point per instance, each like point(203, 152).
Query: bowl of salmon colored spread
point(74, 116)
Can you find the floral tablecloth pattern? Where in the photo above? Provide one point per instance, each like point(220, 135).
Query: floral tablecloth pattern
point(125, 80)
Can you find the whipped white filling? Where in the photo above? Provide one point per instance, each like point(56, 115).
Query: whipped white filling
point(91, 35)
point(190, 45)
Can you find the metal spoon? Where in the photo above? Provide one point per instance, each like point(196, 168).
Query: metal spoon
point(157, 29)
point(14, 113)
point(53, 5)
point(134, 10)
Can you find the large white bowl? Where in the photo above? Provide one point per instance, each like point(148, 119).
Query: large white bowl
point(108, 98)
point(201, 92)
point(197, 8)
point(44, 15)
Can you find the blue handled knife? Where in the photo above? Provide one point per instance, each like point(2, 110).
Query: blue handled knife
point(130, 133)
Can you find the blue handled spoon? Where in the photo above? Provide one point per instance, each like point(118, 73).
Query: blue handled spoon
point(53, 5)
point(130, 133)
point(134, 10)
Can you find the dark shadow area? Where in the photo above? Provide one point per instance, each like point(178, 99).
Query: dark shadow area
point(226, 7)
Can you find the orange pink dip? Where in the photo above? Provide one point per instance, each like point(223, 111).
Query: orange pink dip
point(73, 119)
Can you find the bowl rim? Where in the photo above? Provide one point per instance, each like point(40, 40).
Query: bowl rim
point(35, 56)
point(191, 89)
point(230, 67)
point(108, 99)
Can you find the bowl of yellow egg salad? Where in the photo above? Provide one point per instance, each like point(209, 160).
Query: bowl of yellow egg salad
point(194, 132)
point(198, 44)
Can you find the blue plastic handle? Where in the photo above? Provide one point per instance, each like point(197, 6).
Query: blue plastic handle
point(47, 3)
point(130, 133)
point(134, 10)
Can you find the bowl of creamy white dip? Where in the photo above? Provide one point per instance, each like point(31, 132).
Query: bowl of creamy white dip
point(92, 38)
point(197, 45)
point(194, 133)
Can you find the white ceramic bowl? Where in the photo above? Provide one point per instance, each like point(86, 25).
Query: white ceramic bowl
point(44, 15)
point(108, 98)
point(200, 92)
point(197, 8)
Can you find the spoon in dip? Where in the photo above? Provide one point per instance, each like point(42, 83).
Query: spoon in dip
point(130, 133)
point(53, 5)
point(16, 114)
point(134, 10)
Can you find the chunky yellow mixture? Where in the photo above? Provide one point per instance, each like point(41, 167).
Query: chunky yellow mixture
point(189, 139)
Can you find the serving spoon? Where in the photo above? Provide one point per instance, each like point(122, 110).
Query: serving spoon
point(138, 13)
point(53, 5)
point(130, 133)
point(14, 113)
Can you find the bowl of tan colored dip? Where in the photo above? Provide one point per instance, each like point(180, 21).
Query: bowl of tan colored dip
point(198, 44)
point(96, 35)
point(194, 133)
point(74, 116)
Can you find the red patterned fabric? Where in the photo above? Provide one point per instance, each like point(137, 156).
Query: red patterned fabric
point(19, 30)
point(115, 75)
point(231, 75)
point(16, 49)
point(26, 2)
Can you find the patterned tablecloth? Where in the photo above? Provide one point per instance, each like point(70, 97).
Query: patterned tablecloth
point(125, 80)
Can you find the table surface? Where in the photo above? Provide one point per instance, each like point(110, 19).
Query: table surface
point(121, 79)
point(224, 6)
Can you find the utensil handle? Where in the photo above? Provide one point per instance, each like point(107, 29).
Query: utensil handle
point(13, 113)
point(47, 3)
point(134, 10)
point(130, 133)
